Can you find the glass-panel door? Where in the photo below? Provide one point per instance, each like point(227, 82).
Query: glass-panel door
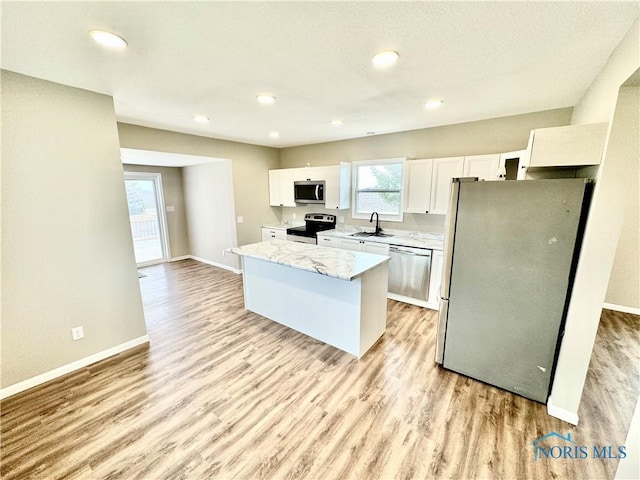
point(146, 215)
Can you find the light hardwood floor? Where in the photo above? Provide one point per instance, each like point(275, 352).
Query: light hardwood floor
point(224, 393)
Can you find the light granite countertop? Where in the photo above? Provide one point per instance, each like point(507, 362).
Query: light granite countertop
point(332, 262)
point(283, 226)
point(434, 241)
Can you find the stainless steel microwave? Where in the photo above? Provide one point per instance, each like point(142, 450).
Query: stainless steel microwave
point(309, 191)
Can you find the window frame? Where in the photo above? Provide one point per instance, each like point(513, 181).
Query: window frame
point(401, 191)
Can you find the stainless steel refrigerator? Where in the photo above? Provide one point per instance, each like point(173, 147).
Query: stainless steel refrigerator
point(510, 255)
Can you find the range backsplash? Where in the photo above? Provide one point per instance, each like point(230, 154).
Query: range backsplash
point(412, 221)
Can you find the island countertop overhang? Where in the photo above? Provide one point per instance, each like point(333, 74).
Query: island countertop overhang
point(331, 262)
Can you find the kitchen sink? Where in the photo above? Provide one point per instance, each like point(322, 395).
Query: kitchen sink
point(370, 234)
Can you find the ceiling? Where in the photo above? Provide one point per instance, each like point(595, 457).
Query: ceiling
point(485, 59)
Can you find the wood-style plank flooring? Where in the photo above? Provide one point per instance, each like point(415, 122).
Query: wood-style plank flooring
point(224, 393)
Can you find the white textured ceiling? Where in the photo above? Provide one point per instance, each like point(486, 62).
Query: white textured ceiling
point(485, 59)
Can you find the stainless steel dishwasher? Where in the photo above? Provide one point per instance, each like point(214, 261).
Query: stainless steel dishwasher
point(409, 271)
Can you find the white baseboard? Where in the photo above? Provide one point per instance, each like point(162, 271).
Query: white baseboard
point(622, 308)
point(215, 264)
point(208, 262)
point(561, 413)
point(413, 301)
point(70, 367)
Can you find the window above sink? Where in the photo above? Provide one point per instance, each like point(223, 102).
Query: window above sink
point(377, 186)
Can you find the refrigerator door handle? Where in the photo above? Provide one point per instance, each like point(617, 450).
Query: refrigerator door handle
point(448, 239)
point(450, 230)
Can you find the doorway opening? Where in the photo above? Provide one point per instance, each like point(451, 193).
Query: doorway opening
point(147, 217)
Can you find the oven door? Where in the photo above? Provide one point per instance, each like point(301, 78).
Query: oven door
point(301, 239)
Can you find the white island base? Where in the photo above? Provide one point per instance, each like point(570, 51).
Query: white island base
point(348, 314)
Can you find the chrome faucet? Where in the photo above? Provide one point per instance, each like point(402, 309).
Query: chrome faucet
point(378, 229)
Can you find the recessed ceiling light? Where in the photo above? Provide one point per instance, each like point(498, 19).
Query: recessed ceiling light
point(108, 39)
point(385, 59)
point(201, 118)
point(274, 134)
point(337, 123)
point(433, 104)
point(266, 99)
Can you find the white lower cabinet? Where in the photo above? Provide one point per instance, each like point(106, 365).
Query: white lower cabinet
point(377, 248)
point(435, 279)
point(353, 244)
point(350, 244)
point(273, 234)
point(328, 241)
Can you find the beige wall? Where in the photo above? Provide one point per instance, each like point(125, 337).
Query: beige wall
point(173, 196)
point(210, 212)
point(67, 252)
point(474, 138)
point(250, 163)
point(597, 255)
point(597, 105)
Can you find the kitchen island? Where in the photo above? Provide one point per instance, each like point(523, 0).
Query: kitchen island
point(335, 296)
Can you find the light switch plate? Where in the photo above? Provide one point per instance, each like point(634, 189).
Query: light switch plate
point(171, 208)
point(240, 219)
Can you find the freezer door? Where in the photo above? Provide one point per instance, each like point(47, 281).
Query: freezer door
point(510, 275)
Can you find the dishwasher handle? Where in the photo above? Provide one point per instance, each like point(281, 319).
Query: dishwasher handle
point(412, 252)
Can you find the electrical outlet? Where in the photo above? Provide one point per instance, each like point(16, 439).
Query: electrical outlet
point(77, 333)
point(294, 216)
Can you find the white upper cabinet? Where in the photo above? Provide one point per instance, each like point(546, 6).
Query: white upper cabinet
point(572, 145)
point(418, 185)
point(310, 173)
point(485, 167)
point(281, 186)
point(510, 164)
point(444, 169)
point(337, 189)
